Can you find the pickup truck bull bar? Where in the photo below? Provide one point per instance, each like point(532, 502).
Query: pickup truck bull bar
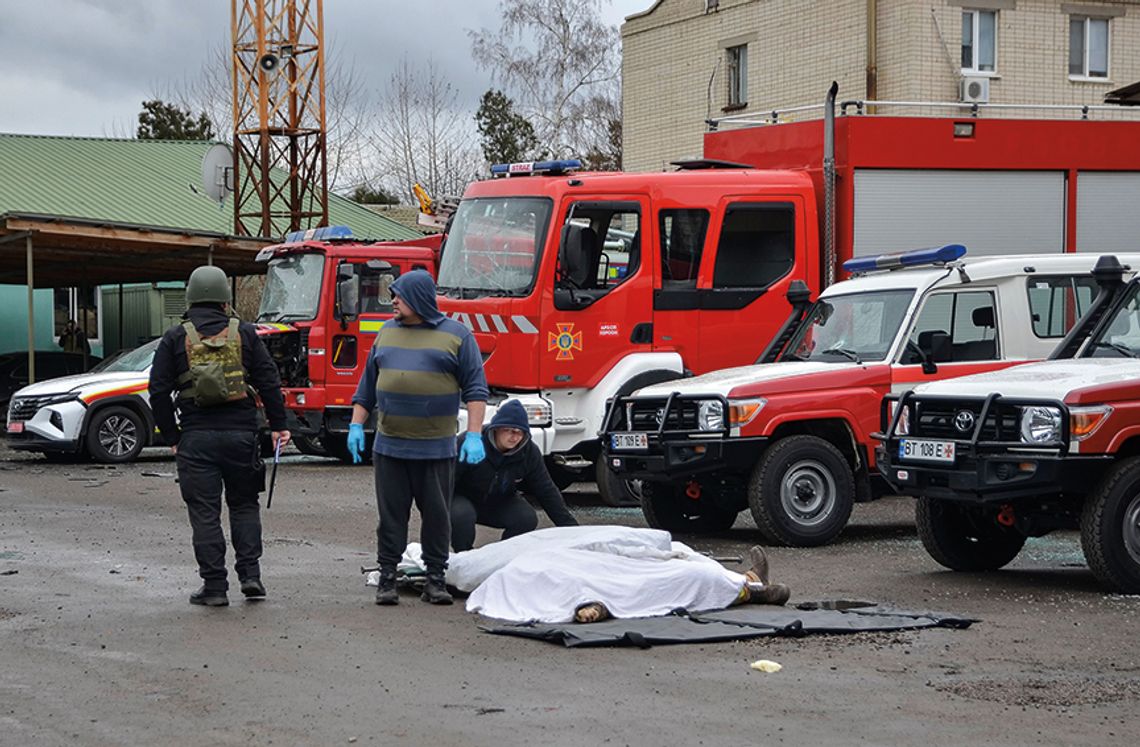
point(992, 405)
point(672, 407)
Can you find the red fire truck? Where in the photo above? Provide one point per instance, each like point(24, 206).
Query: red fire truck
point(325, 298)
point(582, 286)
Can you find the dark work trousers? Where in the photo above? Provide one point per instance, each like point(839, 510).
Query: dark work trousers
point(399, 482)
point(513, 514)
point(207, 461)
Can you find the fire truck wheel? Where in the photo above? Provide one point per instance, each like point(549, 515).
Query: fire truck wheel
point(310, 445)
point(965, 538)
point(115, 435)
point(1110, 528)
point(614, 490)
point(801, 492)
point(666, 507)
point(562, 477)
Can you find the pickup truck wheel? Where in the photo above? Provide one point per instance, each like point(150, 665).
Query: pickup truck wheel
point(963, 538)
point(115, 435)
point(1110, 528)
point(801, 492)
point(667, 507)
point(613, 490)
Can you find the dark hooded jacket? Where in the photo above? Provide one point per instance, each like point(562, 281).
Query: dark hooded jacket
point(501, 474)
point(170, 362)
point(416, 375)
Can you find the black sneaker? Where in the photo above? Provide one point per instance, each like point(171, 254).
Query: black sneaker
point(435, 591)
point(386, 592)
point(209, 598)
point(253, 589)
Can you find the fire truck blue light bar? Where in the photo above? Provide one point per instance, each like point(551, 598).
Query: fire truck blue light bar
point(913, 258)
point(324, 233)
point(527, 168)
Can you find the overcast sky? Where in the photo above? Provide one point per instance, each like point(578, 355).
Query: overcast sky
point(84, 67)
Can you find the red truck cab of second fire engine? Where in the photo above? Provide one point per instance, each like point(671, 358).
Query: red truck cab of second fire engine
point(582, 286)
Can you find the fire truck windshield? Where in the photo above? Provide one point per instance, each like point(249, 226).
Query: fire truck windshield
point(860, 327)
point(292, 288)
point(493, 246)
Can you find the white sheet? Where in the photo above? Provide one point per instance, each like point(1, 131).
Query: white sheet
point(545, 575)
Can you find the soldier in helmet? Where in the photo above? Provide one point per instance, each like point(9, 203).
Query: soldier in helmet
point(208, 367)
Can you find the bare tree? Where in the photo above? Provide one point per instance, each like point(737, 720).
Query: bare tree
point(557, 58)
point(423, 136)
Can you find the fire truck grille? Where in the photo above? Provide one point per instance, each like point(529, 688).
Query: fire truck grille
point(958, 420)
point(648, 415)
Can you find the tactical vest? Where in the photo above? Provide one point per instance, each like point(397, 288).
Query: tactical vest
point(216, 375)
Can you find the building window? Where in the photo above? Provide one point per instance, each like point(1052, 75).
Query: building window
point(979, 40)
point(737, 75)
point(1088, 47)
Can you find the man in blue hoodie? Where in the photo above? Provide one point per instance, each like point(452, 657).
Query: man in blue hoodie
point(488, 492)
point(420, 367)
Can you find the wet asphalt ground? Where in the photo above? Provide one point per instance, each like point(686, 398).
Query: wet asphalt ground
point(98, 645)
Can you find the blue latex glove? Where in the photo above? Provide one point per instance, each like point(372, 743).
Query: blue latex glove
point(471, 452)
point(356, 442)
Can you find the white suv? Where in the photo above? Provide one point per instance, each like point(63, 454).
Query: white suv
point(104, 413)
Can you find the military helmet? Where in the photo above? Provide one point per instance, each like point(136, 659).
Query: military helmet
point(208, 284)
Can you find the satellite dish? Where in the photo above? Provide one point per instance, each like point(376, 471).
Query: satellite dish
point(218, 172)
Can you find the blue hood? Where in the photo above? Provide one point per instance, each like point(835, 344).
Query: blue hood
point(418, 289)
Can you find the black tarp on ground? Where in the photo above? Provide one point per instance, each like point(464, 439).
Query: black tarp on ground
point(734, 623)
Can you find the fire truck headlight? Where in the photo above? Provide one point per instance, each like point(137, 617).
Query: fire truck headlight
point(710, 415)
point(1040, 425)
point(538, 415)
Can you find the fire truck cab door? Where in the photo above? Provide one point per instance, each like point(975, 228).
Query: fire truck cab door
point(603, 286)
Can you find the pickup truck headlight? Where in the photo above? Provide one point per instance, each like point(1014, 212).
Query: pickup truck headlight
point(1040, 425)
point(710, 415)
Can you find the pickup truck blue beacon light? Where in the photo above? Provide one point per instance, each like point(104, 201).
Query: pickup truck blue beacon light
point(913, 258)
point(529, 168)
point(324, 233)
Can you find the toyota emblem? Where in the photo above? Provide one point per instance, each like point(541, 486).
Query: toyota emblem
point(659, 416)
point(964, 421)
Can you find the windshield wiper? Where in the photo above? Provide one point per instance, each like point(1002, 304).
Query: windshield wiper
point(851, 354)
point(1124, 350)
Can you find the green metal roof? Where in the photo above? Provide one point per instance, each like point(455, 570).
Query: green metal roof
point(143, 182)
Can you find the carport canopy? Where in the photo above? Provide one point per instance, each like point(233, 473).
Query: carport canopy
point(49, 251)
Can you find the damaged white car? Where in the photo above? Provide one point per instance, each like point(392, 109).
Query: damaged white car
point(104, 414)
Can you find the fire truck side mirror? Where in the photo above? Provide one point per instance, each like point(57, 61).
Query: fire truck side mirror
point(348, 298)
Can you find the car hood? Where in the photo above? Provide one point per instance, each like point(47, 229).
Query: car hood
point(747, 378)
point(1072, 380)
point(85, 384)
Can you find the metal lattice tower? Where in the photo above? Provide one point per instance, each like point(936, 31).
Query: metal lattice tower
point(281, 178)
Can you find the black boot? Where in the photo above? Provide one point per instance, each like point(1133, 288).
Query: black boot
point(386, 591)
point(253, 589)
point(209, 598)
point(435, 590)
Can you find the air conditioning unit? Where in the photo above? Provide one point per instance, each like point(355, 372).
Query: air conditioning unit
point(975, 89)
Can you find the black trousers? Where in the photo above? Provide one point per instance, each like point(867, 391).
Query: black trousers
point(513, 514)
point(400, 482)
point(209, 461)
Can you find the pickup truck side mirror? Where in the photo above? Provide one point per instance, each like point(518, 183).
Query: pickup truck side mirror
point(935, 348)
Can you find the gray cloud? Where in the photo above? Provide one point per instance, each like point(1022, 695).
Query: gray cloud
point(83, 67)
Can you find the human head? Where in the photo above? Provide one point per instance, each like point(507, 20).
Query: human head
point(508, 438)
point(402, 310)
point(208, 284)
point(509, 428)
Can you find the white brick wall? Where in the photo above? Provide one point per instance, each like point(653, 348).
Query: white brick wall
point(797, 47)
